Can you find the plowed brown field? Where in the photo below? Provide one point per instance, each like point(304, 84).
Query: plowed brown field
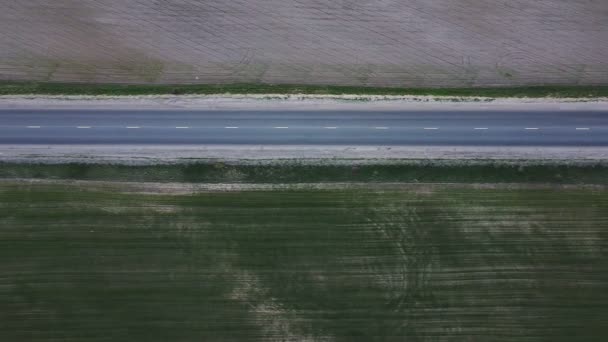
point(415, 43)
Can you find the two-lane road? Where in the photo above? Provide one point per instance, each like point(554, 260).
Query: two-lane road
point(406, 128)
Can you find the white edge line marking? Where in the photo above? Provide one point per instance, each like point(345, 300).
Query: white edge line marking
point(481, 128)
point(381, 127)
point(582, 128)
point(33, 126)
point(330, 127)
point(83, 127)
point(231, 127)
point(531, 128)
point(132, 126)
point(281, 127)
point(431, 128)
point(182, 127)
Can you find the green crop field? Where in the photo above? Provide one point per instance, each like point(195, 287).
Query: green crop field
point(411, 262)
point(414, 171)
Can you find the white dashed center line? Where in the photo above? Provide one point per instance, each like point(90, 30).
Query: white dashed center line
point(83, 127)
point(33, 126)
point(281, 127)
point(532, 128)
point(132, 127)
point(431, 128)
point(330, 127)
point(381, 127)
point(481, 128)
point(231, 127)
point(582, 128)
point(182, 127)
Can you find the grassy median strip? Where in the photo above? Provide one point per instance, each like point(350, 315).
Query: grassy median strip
point(422, 171)
point(427, 262)
point(36, 88)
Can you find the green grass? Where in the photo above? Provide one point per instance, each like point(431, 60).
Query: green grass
point(300, 172)
point(40, 88)
point(422, 263)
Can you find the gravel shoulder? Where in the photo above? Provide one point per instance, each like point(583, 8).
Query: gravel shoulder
point(145, 155)
point(299, 102)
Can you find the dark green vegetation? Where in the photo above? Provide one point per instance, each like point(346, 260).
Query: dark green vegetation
point(26, 88)
point(420, 263)
point(297, 172)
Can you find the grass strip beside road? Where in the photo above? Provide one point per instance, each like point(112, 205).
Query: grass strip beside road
point(427, 263)
point(299, 172)
point(38, 88)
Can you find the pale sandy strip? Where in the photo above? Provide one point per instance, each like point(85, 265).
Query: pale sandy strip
point(187, 188)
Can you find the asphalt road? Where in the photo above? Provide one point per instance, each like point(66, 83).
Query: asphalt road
point(407, 128)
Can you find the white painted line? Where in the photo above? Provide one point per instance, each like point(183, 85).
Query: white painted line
point(381, 127)
point(33, 126)
point(182, 127)
point(582, 128)
point(481, 128)
point(330, 127)
point(431, 128)
point(531, 128)
point(281, 127)
point(132, 127)
point(231, 127)
point(83, 127)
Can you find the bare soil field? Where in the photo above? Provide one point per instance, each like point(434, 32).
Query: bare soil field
point(413, 43)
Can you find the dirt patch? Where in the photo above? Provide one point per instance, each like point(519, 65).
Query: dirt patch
point(151, 188)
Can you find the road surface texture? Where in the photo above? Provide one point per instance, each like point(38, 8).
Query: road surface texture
point(328, 128)
point(415, 43)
